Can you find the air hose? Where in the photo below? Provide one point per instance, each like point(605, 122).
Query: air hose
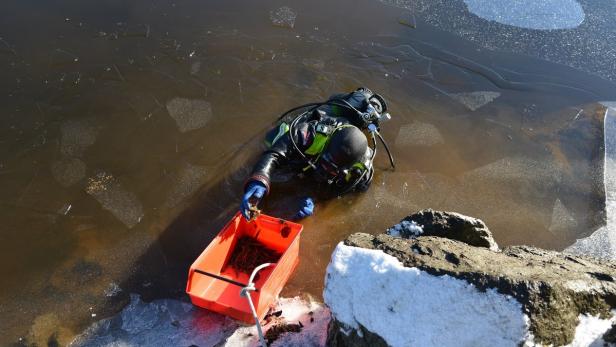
point(391, 158)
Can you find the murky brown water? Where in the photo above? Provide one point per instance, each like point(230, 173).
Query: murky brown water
point(128, 130)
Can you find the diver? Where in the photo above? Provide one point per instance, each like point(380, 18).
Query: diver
point(327, 142)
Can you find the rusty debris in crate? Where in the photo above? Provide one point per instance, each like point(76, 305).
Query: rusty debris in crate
point(249, 253)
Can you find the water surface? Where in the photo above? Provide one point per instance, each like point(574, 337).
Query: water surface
point(129, 129)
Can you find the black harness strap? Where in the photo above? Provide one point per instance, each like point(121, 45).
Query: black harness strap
point(239, 284)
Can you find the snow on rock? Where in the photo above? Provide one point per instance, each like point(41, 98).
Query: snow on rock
point(406, 229)
point(409, 307)
point(590, 330)
point(440, 291)
point(449, 225)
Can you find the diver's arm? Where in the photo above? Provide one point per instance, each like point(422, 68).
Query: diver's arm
point(275, 157)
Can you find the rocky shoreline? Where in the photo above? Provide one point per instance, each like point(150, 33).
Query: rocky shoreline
point(435, 279)
point(555, 291)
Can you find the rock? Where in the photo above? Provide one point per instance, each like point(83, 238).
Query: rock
point(554, 291)
point(450, 225)
point(610, 335)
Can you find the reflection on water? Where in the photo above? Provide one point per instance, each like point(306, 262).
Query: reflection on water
point(129, 129)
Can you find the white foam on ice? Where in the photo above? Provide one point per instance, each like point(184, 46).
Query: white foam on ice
point(409, 307)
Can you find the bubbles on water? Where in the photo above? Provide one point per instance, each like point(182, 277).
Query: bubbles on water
point(189, 114)
point(283, 17)
point(68, 171)
point(186, 183)
point(475, 100)
point(111, 195)
point(76, 136)
point(418, 134)
point(531, 14)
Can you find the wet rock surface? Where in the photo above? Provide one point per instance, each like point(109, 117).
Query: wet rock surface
point(553, 288)
point(450, 225)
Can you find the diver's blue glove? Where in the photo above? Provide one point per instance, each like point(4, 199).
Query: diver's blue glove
point(252, 196)
point(306, 209)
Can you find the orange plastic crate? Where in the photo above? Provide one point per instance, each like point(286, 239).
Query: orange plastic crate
point(213, 285)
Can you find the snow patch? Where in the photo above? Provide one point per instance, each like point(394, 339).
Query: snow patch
point(409, 307)
point(590, 330)
point(406, 229)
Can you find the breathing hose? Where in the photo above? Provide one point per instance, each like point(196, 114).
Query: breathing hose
point(391, 158)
